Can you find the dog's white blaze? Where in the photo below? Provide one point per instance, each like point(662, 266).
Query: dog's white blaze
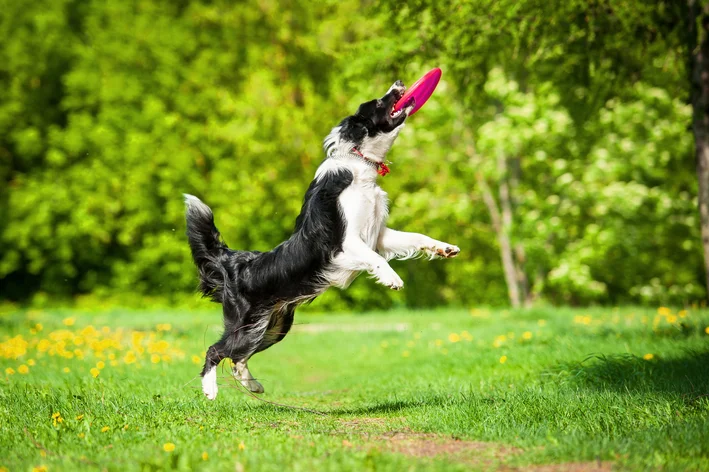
point(209, 383)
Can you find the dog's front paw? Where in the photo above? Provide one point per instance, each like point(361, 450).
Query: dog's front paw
point(446, 251)
point(391, 280)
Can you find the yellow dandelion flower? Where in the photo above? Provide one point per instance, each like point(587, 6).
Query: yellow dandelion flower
point(527, 335)
point(205, 456)
point(168, 447)
point(682, 313)
point(31, 363)
point(405, 354)
point(39, 468)
point(649, 357)
point(130, 357)
point(541, 322)
point(672, 319)
point(503, 359)
point(39, 327)
point(466, 335)
point(105, 429)
point(114, 363)
point(706, 330)
point(454, 337)
point(4, 469)
point(164, 327)
point(439, 343)
point(100, 364)
point(57, 418)
point(9, 371)
point(125, 427)
point(23, 369)
point(196, 360)
point(81, 435)
point(69, 321)
point(664, 311)
point(112, 357)
point(154, 358)
point(94, 372)
point(241, 446)
point(79, 417)
point(66, 370)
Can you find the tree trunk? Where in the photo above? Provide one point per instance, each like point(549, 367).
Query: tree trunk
point(699, 62)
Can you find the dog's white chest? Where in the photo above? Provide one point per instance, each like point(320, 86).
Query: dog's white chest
point(365, 207)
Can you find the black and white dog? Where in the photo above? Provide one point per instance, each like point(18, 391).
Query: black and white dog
point(340, 232)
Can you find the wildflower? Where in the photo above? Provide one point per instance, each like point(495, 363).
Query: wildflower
point(164, 327)
point(66, 370)
point(706, 330)
point(682, 313)
point(405, 354)
point(38, 327)
point(205, 456)
point(466, 335)
point(125, 427)
point(81, 435)
point(648, 357)
point(196, 360)
point(105, 429)
point(241, 446)
point(31, 363)
point(541, 322)
point(154, 358)
point(130, 357)
point(57, 418)
point(664, 311)
point(454, 337)
point(79, 417)
point(100, 364)
point(439, 343)
point(499, 340)
point(672, 319)
point(527, 335)
point(23, 369)
point(39, 468)
point(168, 447)
point(94, 372)
point(503, 359)
point(69, 321)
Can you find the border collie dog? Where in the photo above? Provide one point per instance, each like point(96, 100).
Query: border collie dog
point(340, 232)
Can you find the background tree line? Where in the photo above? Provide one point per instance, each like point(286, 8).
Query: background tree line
point(557, 152)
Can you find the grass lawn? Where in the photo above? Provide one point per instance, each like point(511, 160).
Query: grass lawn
point(546, 390)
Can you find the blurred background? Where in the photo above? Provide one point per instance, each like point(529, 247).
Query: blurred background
point(557, 151)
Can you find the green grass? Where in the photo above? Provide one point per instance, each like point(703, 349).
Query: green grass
point(575, 388)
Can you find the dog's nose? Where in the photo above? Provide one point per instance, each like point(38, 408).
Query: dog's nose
point(399, 83)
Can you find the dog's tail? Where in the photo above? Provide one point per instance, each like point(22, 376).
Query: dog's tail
point(208, 249)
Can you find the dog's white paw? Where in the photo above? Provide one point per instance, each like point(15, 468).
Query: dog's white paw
point(390, 279)
point(446, 251)
point(253, 386)
point(209, 383)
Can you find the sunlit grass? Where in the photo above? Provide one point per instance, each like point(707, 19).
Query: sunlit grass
point(119, 390)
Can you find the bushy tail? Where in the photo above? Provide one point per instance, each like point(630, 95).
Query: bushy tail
point(207, 246)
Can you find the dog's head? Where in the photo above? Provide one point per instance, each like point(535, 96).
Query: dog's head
point(373, 128)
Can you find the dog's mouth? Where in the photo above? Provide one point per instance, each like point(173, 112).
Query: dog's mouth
point(397, 93)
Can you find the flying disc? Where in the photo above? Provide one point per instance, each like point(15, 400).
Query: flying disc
point(420, 91)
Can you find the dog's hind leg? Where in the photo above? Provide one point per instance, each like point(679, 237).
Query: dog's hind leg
point(215, 354)
point(242, 374)
point(279, 324)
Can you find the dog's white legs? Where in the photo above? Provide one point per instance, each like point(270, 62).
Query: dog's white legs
point(401, 245)
point(241, 372)
point(209, 383)
point(357, 256)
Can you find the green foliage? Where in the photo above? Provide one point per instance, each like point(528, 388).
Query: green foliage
point(110, 111)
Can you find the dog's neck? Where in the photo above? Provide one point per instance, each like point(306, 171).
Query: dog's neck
point(354, 153)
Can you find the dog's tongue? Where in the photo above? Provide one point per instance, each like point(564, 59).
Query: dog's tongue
point(421, 91)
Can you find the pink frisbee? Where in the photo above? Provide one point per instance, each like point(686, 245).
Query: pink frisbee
point(420, 91)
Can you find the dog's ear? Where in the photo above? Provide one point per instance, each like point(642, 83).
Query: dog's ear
point(353, 129)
